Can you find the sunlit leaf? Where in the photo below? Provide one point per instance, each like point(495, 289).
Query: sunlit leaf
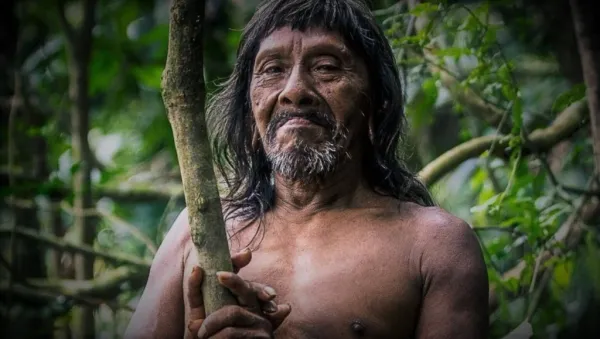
point(564, 100)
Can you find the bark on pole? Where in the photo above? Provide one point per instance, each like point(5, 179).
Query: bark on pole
point(183, 92)
point(587, 28)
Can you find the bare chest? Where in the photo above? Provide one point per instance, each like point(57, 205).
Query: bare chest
point(342, 288)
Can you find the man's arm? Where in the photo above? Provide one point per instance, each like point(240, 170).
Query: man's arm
point(160, 311)
point(455, 282)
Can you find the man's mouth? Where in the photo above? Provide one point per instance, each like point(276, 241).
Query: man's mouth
point(298, 122)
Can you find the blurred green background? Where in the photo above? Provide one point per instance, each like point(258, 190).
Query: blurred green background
point(500, 80)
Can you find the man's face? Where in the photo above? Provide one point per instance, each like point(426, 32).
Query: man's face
point(308, 96)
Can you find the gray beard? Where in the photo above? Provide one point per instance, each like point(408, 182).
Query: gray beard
point(307, 163)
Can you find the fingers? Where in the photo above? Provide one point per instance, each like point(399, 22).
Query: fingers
point(194, 325)
point(277, 317)
point(242, 289)
point(233, 316)
point(233, 333)
point(250, 294)
point(241, 260)
point(194, 295)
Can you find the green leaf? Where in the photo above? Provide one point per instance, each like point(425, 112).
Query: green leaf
point(75, 168)
point(517, 116)
point(424, 8)
point(453, 52)
point(104, 69)
point(421, 108)
point(149, 76)
point(565, 99)
point(158, 34)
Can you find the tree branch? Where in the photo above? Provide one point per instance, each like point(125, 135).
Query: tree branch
point(58, 243)
point(587, 28)
point(106, 286)
point(26, 185)
point(45, 296)
point(567, 123)
point(184, 95)
point(467, 97)
point(67, 28)
point(134, 231)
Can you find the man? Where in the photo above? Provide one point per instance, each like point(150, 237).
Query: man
point(343, 241)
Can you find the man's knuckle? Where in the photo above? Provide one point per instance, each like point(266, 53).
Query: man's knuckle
point(233, 312)
point(232, 333)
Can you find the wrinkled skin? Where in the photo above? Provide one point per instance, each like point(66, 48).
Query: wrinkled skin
point(344, 261)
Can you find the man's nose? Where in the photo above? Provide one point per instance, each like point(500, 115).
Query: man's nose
point(298, 90)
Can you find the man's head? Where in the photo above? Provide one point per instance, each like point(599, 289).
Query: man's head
point(308, 94)
point(314, 80)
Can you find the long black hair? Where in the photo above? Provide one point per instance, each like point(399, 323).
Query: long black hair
point(244, 165)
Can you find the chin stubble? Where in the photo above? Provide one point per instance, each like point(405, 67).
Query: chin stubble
point(305, 161)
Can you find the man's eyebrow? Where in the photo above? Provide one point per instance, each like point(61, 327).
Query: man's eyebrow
point(323, 47)
point(269, 52)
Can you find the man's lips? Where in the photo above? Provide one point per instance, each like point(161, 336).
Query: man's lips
point(300, 122)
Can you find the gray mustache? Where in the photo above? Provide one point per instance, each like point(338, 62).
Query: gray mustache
point(313, 116)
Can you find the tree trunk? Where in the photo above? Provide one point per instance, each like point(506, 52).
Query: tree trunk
point(79, 51)
point(587, 28)
point(183, 94)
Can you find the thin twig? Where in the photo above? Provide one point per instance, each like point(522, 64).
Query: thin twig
point(132, 229)
point(68, 29)
point(56, 242)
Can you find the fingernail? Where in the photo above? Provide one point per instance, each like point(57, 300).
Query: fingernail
point(223, 275)
point(270, 291)
point(194, 269)
point(271, 307)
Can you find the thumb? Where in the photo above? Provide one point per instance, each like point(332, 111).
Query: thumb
point(194, 295)
point(241, 259)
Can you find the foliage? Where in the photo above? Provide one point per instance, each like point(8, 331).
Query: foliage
point(517, 208)
point(470, 70)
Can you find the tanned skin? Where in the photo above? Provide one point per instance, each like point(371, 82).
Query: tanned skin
point(345, 262)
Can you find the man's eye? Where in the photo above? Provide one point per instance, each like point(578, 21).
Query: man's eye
point(326, 68)
point(273, 70)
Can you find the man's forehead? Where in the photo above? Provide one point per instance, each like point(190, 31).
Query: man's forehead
point(286, 37)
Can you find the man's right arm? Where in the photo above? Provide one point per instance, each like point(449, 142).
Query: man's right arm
point(160, 311)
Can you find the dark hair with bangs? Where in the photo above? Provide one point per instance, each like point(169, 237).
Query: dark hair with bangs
point(245, 169)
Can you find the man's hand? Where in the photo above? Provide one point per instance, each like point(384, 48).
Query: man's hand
point(257, 315)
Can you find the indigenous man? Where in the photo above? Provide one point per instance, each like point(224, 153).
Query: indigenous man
point(333, 236)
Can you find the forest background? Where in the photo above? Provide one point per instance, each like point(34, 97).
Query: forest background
point(500, 106)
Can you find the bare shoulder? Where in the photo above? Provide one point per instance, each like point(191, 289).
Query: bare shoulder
point(445, 243)
point(452, 273)
point(178, 238)
point(434, 227)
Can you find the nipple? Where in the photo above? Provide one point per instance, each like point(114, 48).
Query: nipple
point(358, 327)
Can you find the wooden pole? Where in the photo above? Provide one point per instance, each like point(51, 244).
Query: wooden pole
point(183, 92)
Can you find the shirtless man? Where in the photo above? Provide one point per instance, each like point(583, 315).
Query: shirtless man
point(344, 235)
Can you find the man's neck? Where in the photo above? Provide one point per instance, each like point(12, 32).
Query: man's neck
point(301, 200)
